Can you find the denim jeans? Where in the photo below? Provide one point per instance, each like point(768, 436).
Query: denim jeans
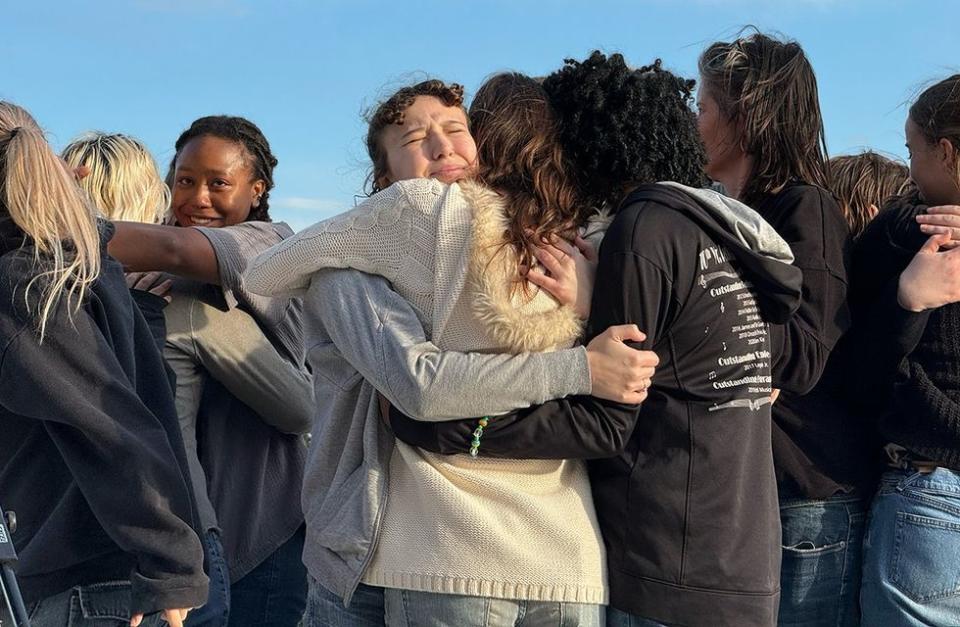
point(406, 608)
point(616, 618)
point(820, 572)
point(911, 563)
point(96, 605)
point(325, 609)
point(216, 611)
point(274, 594)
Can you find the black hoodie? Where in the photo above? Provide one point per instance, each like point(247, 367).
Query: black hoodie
point(684, 486)
point(91, 457)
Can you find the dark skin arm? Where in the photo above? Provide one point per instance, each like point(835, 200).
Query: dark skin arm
point(181, 251)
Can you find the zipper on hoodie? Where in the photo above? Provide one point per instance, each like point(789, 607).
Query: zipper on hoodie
point(375, 540)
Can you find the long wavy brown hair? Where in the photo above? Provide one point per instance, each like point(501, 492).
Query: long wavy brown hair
point(519, 155)
point(769, 88)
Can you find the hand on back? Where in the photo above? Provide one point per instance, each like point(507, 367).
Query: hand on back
point(568, 272)
point(933, 277)
point(618, 372)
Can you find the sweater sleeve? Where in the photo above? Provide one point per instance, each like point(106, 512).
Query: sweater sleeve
point(117, 451)
point(883, 332)
point(811, 223)
point(630, 289)
point(384, 340)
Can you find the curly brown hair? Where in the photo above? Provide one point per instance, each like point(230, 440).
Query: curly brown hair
point(520, 156)
point(769, 87)
point(391, 111)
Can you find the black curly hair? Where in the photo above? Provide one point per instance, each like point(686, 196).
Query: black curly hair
point(623, 127)
point(245, 133)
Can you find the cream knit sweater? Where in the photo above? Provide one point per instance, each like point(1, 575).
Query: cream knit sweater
point(517, 529)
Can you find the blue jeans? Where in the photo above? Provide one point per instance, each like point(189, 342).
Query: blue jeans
point(911, 563)
point(94, 605)
point(616, 618)
point(216, 611)
point(820, 572)
point(407, 608)
point(325, 609)
point(274, 594)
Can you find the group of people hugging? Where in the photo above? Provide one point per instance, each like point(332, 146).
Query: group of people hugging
point(609, 346)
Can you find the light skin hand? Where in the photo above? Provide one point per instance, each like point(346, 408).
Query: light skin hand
point(174, 617)
point(570, 272)
point(944, 219)
point(933, 277)
point(618, 372)
point(153, 282)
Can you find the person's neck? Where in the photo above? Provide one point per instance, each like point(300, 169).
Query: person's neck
point(734, 178)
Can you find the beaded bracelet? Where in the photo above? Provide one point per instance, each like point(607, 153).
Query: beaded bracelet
point(475, 442)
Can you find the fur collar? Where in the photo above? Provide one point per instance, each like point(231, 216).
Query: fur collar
point(522, 321)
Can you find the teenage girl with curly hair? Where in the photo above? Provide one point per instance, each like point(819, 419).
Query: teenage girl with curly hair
point(455, 252)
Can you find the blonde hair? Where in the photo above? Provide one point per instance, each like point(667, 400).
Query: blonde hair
point(124, 183)
point(865, 180)
point(44, 201)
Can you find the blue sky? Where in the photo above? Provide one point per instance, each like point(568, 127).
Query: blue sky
point(304, 71)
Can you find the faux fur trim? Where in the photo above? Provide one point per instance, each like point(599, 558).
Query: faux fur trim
point(522, 321)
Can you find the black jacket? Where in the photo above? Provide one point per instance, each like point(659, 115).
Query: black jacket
point(819, 448)
point(684, 486)
point(91, 457)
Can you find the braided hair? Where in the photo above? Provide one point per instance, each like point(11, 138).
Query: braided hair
point(623, 127)
point(245, 133)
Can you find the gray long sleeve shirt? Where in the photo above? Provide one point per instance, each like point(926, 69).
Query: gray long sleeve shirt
point(361, 337)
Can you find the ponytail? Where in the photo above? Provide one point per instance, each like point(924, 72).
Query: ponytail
point(44, 201)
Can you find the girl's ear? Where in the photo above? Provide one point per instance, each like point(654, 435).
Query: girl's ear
point(948, 153)
point(872, 211)
point(259, 186)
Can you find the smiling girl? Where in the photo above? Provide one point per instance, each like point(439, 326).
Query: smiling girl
point(221, 176)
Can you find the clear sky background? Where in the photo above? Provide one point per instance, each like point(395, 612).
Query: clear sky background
point(306, 70)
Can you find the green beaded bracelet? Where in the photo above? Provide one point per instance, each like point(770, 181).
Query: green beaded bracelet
point(475, 442)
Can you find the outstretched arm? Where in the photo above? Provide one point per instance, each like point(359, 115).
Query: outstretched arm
point(181, 251)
